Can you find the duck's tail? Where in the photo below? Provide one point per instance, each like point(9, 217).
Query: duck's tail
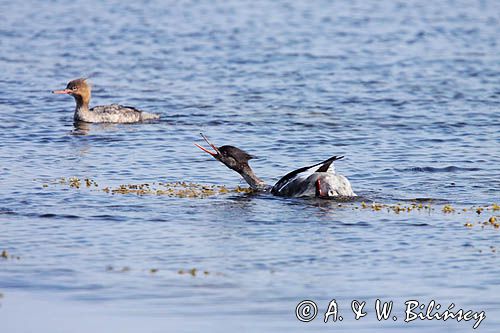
point(149, 116)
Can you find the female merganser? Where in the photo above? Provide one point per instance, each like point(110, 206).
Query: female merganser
point(318, 180)
point(80, 89)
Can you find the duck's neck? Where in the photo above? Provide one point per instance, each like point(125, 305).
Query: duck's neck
point(255, 182)
point(82, 105)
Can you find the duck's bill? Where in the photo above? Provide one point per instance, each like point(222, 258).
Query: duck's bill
point(214, 153)
point(64, 91)
point(206, 150)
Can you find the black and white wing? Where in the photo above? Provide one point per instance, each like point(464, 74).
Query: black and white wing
point(280, 188)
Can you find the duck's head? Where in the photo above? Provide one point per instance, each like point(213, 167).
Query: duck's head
point(80, 89)
point(232, 157)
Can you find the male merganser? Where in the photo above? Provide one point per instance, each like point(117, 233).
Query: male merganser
point(80, 89)
point(318, 180)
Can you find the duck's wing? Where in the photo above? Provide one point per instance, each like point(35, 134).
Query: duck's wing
point(116, 113)
point(116, 109)
point(304, 172)
point(327, 165)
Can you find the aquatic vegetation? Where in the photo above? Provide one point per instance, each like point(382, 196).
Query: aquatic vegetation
point(74, 182)
point(90, 183)
point(396, 208)
point(201, 191)
point(124, 269)
point(448, 209)
point(171, 189)
point(5, 255)
point(491, 222)
point(191, 272)
point(194, 272)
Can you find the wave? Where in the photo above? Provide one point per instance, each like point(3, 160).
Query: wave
point(433, 169)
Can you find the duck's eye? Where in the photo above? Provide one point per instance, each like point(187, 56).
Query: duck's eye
point(74, 88)
point(330, 193)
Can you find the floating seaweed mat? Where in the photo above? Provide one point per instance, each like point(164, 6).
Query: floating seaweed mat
point(484, 216)
point(172, 189)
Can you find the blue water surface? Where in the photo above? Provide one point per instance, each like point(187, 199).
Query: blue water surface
point(408, 91)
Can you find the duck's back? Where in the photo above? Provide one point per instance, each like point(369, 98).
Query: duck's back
point(116, 113)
